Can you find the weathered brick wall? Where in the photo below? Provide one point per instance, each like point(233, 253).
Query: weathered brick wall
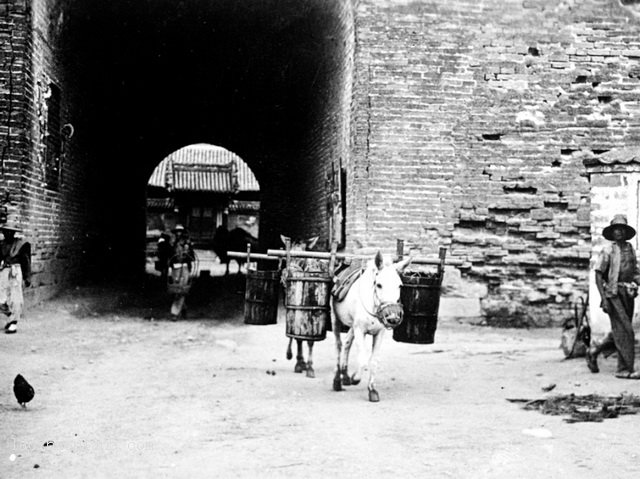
point(471, 122)
point(14, 126)
point(326, 145)
point(52, 217)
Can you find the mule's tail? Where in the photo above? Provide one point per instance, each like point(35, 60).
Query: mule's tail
point(289, 352)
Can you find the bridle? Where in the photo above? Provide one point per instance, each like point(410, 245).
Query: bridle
point(384, 311)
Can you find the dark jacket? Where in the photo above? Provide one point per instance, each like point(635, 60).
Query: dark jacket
point(17, 251)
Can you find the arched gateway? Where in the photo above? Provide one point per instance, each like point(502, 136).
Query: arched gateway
point(443, 123)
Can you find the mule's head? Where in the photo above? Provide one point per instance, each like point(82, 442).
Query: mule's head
point(387, 285)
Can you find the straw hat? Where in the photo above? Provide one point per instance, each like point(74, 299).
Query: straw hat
point(10, 226)
point(618, 221)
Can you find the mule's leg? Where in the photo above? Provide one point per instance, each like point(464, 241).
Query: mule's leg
point(300, 364)
point(358, 337)
point(310, 372)
point(373, 365)
point(289, 352)
point(337, 383)
point(344, 365)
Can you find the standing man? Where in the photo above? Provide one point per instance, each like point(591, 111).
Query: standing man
point(15, 269)
point(617, 279)
point(180, 264)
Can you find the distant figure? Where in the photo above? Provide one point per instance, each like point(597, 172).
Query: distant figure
point(15, 270)
point(164, 251)
point(234, 240)
point(23, 390)
point(617, 279)
point(180, 265)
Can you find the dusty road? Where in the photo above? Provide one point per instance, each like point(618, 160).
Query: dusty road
point(123, 392)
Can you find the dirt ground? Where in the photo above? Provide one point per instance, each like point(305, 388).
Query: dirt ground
point(121, 391)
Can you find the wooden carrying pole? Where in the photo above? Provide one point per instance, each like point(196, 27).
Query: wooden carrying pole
point(341, 256)
point(252, 256)
point(279, 254)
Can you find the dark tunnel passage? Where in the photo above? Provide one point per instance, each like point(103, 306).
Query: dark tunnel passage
point(148, 77)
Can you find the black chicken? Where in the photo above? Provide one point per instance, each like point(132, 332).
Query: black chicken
point(23, 390)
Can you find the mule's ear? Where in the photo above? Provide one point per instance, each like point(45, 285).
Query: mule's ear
point(311, 242)
point(379, 260)
point(401, 265)
point(284, 239)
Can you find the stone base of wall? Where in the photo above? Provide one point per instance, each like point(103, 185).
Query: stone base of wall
point(546, 301)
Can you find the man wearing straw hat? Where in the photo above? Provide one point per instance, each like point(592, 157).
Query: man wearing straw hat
point(15, 268)
point(617, 279)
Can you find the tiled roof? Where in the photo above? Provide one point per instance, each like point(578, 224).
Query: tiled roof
point(207, 178)
point(615, 156)
point(203, 155)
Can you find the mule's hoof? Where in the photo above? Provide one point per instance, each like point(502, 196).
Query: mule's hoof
point(373, 395)
point(346, 380)
point(299, 367)
point(354, 381)
point(289, 355)
point(337, 384)
point(311, 373)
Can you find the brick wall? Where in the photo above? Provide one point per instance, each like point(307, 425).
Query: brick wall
point(325, 146)
point(471, 124)
point(459, 123)
point(45, 179)
point(14, 69)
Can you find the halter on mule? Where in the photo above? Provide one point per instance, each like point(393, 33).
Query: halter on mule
point(389, 313)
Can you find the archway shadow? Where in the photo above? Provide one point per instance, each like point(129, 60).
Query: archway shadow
point(218, 298)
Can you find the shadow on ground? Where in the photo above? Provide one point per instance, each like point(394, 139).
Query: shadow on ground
point(211, 297)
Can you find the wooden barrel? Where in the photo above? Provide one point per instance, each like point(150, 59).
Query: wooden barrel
point(307, 295)
point(420, 298)
point(261, 297)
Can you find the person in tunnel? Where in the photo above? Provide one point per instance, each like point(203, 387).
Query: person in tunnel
point(15, 272)
point(617, 279)
point(180, 269)
point(164, 252)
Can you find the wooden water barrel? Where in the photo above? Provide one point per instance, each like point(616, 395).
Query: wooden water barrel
point(261, 297)
point(420, 298)
point(307, 296)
